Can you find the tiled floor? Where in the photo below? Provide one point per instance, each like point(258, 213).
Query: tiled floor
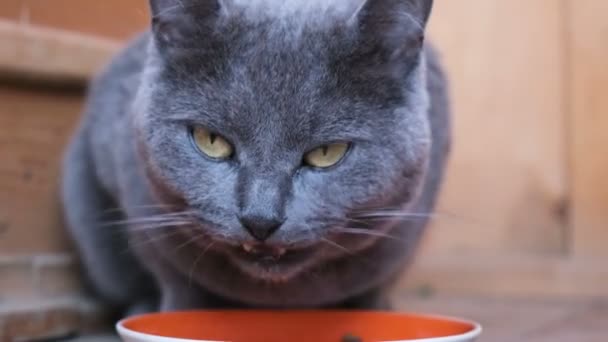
point(518, 320)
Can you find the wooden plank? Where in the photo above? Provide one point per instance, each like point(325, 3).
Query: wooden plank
point(50, 319)
point(583, 325)
point(589, 130)
point(118, 19)
point(34, 128)
point(50, 55)
point(507, 174)
point(515, 276)
point(523, 319)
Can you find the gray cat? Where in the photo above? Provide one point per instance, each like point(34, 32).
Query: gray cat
point(260, 153)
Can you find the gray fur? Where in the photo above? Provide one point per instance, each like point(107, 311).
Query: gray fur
point(275, 91)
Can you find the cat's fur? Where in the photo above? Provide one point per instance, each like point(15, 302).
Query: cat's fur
point(276, 80)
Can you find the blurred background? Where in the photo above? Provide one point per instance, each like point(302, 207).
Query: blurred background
point(522, 225)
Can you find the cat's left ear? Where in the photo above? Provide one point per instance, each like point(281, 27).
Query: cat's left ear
point(175, 22)
point(392, 29)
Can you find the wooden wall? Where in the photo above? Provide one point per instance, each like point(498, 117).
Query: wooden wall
point(531, 149)
point(525, 207)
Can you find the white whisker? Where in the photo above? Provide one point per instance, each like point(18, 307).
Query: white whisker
point(149, 240)
point(336, 245)
point(387, 214)
point(159, 226)
point(198, 258)
point(150, 219)
point(366, 232)
point(189, 241)
point(143, 206)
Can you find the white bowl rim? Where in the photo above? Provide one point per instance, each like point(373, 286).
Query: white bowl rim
point(468, 336)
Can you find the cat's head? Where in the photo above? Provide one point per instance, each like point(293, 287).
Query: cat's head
point(280, 122)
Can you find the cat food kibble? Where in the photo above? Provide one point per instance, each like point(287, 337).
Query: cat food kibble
point(351, 338)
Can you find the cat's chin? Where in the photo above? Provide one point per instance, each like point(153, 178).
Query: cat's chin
point(271, 264)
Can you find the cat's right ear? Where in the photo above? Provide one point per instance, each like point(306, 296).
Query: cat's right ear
point(176, 22)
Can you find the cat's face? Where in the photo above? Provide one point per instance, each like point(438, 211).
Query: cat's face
point(278, 140)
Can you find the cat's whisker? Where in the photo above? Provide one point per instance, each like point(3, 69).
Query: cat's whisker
point(355, 220)
point(396, 214)
point(332, 243)
point(188, 242)
point(336, 245)
point(158, 227)
point(366, 232)
point(131, 225)
point(161, 226)
point(149, 240)
point(196, 261)
point(149, 219)
point(170, 9)
point(144, 206)
point(404, 215)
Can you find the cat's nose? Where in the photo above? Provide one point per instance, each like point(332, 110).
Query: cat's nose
point(261, 228)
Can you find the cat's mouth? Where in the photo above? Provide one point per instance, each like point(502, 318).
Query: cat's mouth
point(271, 255)
point(270, 262)
point(254, 249)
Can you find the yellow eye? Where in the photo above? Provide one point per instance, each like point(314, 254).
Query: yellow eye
point(212, 144)
point(326, 155)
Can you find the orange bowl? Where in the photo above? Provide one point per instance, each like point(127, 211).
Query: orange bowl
point(294, 326)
